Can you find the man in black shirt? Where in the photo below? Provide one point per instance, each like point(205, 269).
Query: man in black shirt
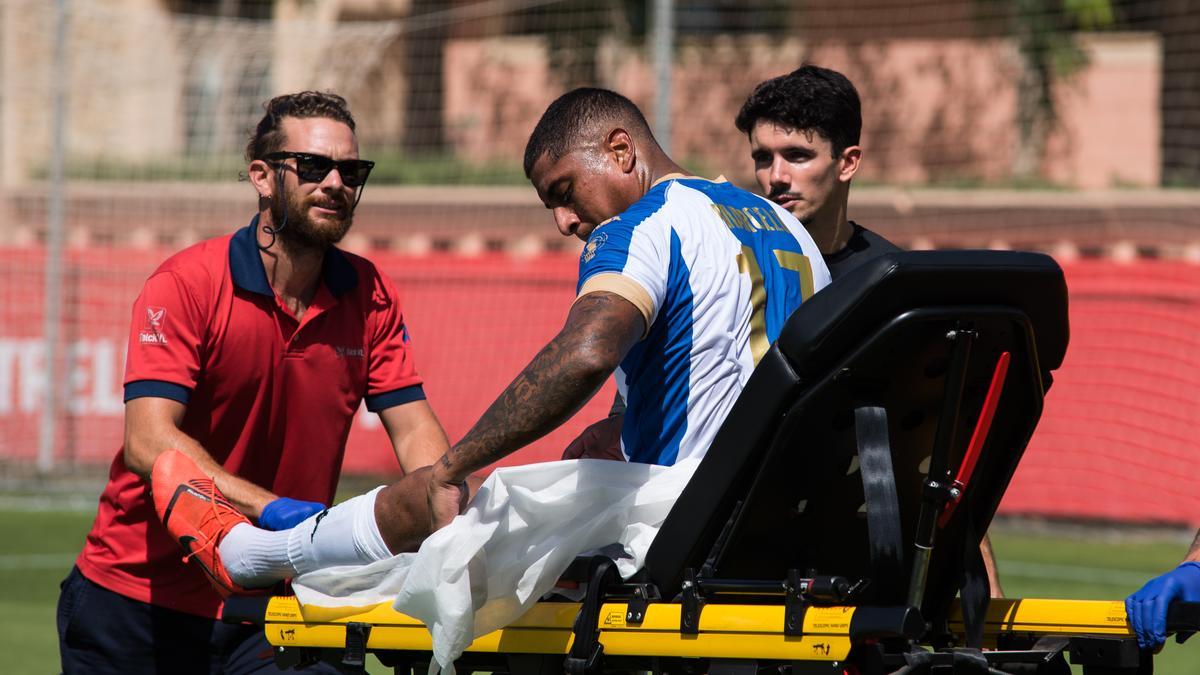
point(804, 129)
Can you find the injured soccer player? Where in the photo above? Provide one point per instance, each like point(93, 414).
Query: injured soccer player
point(684, 282)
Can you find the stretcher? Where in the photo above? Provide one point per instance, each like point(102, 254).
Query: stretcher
point(834, 524)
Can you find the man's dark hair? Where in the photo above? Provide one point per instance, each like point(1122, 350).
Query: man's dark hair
point(268, 135)
point(576, 114)
point(809, 98)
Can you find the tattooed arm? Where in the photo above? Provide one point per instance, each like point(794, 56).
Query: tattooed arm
point(600, 329)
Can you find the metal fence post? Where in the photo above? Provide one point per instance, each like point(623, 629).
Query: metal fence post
point(664, 49)
point(52, 314)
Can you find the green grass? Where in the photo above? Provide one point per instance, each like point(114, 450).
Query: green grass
point(36, 553)
point(37, 549)
point(401, 169)
point(391, 168)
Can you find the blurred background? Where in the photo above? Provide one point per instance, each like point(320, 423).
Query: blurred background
point(1069, 127)
point(1065, 126)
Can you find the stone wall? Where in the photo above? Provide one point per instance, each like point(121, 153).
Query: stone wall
point(147, 86)
point(935, 110)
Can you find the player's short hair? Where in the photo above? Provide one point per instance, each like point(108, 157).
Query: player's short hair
point(808, 98)
point(268, 136)
point(576, 116)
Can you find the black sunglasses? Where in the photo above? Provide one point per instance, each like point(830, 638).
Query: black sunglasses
point(313, 168)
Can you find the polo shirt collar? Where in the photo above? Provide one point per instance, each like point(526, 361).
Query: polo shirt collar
point(246, 266)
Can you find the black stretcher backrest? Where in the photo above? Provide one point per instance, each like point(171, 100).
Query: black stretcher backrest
point(785, 456)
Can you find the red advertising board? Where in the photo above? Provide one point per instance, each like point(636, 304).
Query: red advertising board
point(1116, 441)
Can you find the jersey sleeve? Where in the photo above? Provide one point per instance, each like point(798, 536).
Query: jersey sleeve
point(392, 378)
point(630, 259)
point(165, 340)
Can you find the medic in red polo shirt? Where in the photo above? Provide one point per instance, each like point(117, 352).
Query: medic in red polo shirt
point(251, 354)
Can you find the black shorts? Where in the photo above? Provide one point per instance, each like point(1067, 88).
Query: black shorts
point(100, 631)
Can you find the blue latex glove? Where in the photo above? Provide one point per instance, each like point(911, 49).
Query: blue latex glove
point(1147, 609)
point(285, 513)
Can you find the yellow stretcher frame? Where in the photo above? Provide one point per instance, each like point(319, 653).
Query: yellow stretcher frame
point(725, 631)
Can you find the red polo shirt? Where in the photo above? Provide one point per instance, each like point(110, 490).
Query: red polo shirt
point(271, 398)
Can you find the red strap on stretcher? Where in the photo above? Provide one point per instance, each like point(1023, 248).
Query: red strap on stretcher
point(982, 427)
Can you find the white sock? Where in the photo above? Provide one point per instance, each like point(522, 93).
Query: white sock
point(255, 557)
point(343, 535)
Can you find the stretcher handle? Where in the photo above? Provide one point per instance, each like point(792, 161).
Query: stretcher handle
point(245, 609)
point(1183, 617)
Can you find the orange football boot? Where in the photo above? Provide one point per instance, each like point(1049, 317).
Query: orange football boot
point(196, 514)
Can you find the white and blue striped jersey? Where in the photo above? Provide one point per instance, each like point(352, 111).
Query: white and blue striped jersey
point(716, 271)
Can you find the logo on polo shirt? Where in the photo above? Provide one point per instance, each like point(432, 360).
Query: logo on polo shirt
point(151, 332)
point(350, 352)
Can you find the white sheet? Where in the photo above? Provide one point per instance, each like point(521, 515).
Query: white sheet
point(492, 563)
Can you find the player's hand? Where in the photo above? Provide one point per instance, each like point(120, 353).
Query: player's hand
point(1147, 608)
point(284, 513)
point(601, 440)
point(447, 498)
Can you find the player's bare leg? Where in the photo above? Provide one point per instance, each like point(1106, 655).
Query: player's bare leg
point(402, 512)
